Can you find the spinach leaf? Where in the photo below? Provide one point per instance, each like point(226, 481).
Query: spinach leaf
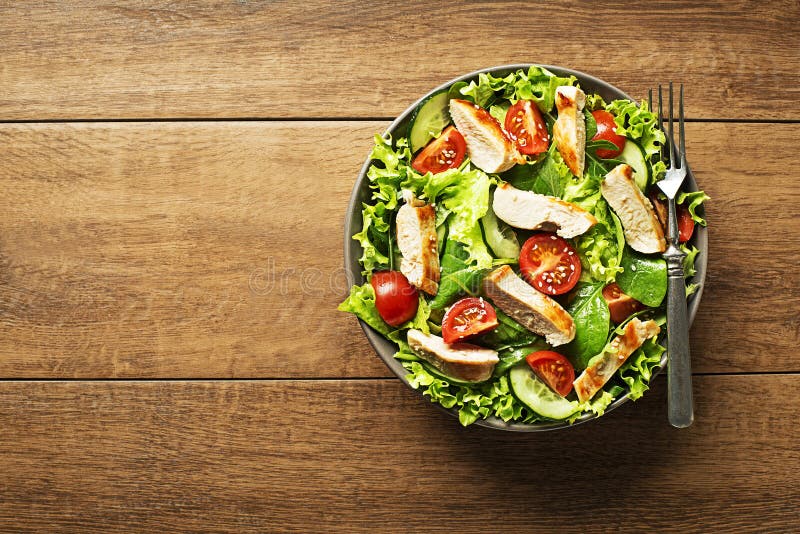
point(591, 124)
point(508, 334)
point(458, 277)
point(511, 357)
point(544, 177)
point(592, 320)
point(643, 277)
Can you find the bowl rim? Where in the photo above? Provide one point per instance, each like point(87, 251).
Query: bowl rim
point(352, 251)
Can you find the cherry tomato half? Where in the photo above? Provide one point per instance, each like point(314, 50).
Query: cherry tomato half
point(620, 305)
point(395, 298)
point(554, 369)
point(466, 318)
point(525, 125)
point(549, 264)
point(445, 152)
point(685, 221)
point(607, 131)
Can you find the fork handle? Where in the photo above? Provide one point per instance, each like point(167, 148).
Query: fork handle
point(679, 376)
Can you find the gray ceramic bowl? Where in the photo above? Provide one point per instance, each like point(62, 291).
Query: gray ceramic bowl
point(352, 250)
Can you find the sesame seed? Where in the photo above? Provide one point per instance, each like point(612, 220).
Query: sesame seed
point(540, 284)
point(571, 253)
point(633, 268)
point(550, 289)
point(566, 249)
point(571, 267)
point(522, 131)
point(553, 237)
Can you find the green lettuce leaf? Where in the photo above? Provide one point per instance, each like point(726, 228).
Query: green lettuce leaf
point(637, 122)
point(693, 200)
point(472, 402)
point(537, 84)
point(637, 371)
point(462, 196)
point(601, 246)
point(688, 261)
point(374, 237)
point(361, 303)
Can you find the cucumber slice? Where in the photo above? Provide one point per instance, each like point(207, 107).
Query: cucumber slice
point(499, 236)
point(634, 156)
point(429, 119)
point(538, 396)
point(438, 374)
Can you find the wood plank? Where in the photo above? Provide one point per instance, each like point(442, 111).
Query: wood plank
point(154, 58)
point(214, 250)
point(361, 456)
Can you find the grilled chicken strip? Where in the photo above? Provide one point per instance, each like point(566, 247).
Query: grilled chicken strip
point(641, 227)
point(418, 243)
point(569, 130)
point(459, 360)
point(532, 211)
point(602, 367)
point(535, 311)
point(488, 145)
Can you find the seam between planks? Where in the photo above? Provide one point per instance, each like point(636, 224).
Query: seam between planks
point(315, 379)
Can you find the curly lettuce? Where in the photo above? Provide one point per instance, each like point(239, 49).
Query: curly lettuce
point(461, 197)
point(473, 402)
point(640, 366)
point(537, 84)
point(637, 122)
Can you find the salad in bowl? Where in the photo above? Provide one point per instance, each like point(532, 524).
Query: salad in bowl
point(508, 236)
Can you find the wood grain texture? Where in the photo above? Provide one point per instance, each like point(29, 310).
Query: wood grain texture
point(178, 250)
point(152, 58)
point(214, 250)
point(366, 456)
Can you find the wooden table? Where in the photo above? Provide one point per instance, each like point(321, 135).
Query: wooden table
point(174, 182)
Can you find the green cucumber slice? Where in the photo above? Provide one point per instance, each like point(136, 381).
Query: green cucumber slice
point(429, 119)
point(499, 236)
point(538, 396)
point(634, 156)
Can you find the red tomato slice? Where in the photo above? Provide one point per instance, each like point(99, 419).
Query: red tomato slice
point(466, 318)
point(445, 152)
point(685, 224)
point(554, 369)
point(395, 298)
point(607, 131)
point(620, 305)
point(549, 264)
point(525, 125)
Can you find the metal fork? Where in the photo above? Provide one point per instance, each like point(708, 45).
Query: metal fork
point(679, 376)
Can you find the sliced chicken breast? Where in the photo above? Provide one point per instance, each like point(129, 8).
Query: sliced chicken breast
point(642, 230)
point(463, 361)
point(569, 130)
point(535, 311)
point(416, 238)
point(602, 368)
point(532, 211)
point(488, 145)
